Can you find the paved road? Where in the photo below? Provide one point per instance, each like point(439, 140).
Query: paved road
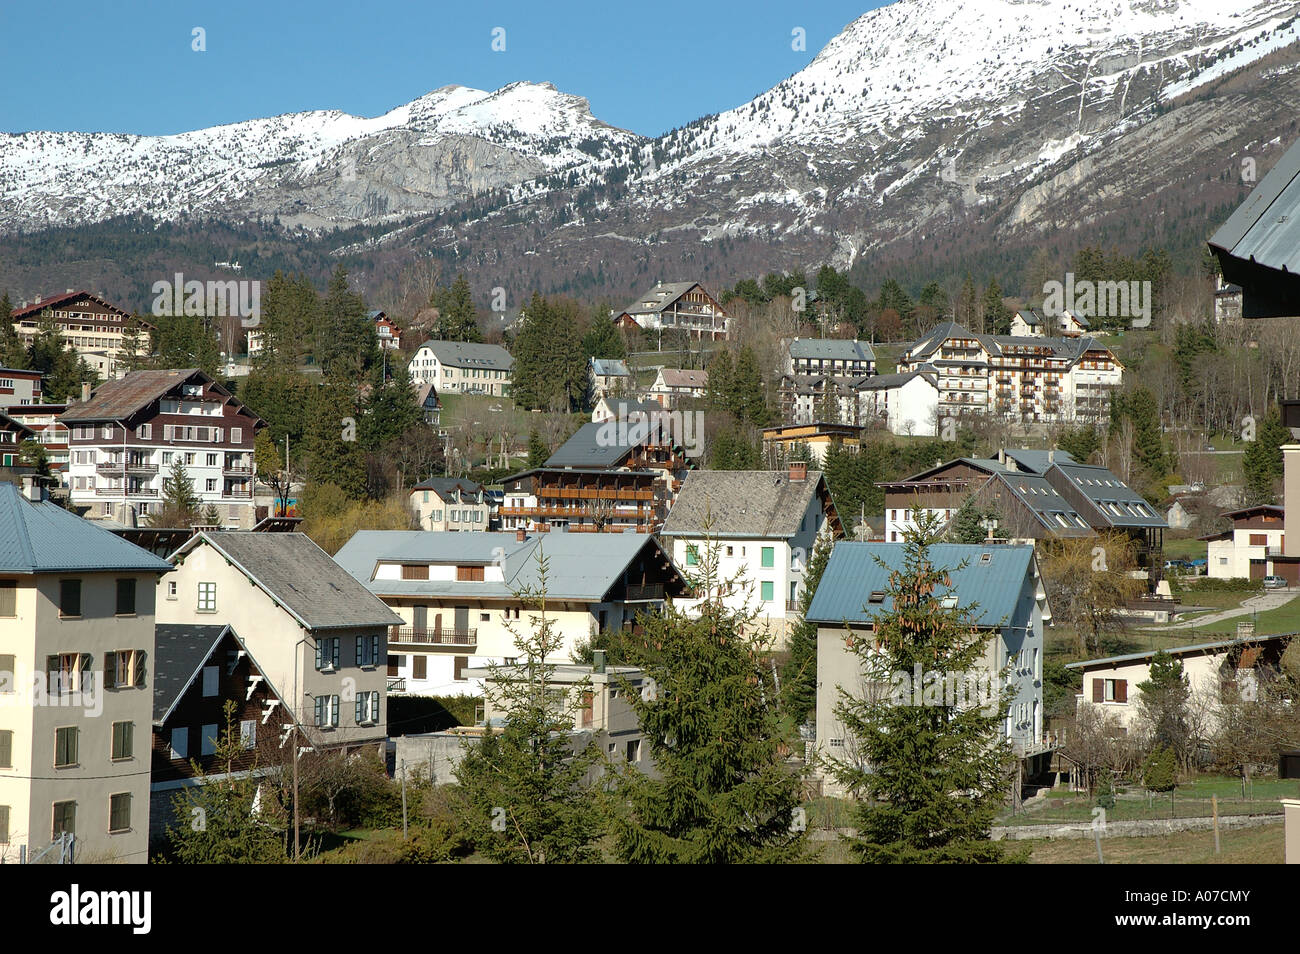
point(1269, 599)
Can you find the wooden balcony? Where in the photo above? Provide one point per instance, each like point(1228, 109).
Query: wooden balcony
point(122, 492)
point(116, 467)
point(410, 636)
point(654, 591)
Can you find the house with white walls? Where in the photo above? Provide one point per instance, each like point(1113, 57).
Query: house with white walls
point(1243, 551)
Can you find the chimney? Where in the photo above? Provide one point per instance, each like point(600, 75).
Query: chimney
point(1051, 456)
point(521, 535)
point(598, 661)
point(71, 290)
point(85, 391)
point(32, 488)
point(798, 471)
point(543, 528)
point(1291, 499)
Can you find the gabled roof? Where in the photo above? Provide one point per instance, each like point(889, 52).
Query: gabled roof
point(57, 301)
point(470, 354)
point(580, 566)
point(659, 297)
point(1258, 508)
point(683, 378)
point(1266, 227)
point(1031, 316)
point(884, 382)
point(45, 538)
point(1119, 504)
point(993, 577)
point(1046, 504)
point(604, 444)
point(427, 397)
point(443, 486)
point(299, 575)
point(1176, 651)
point(180, 652)
point(1038, 461)
point(623, 408)
point(744, 503)
point(119, 400)
point(831, 349)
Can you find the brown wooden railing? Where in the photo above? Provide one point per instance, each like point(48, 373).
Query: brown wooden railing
point(407, 635)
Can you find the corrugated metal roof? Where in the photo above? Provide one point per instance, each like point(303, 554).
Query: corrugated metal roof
point(1119, 504)
point(45, 538)
point(602, 444)
point(1266, 227)
point(1176, 651)
point(301, 577)
point(1038, 461)
point(580, 566)
point(748, 503)
point(993, 578)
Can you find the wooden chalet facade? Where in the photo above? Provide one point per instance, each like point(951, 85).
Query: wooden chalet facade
point(677, 306)
point(88, 324)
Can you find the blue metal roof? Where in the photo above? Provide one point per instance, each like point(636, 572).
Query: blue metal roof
point(1266, 227)
point(991, 581)
point(45, 538)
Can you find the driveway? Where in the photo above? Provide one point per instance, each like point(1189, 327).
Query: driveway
point(1269, 599)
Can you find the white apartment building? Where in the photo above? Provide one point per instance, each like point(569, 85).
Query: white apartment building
point(907, 404)
point(91, 326)
point(1243, 552)
point(1024, 379)
point(126, 437)
point(461, 367)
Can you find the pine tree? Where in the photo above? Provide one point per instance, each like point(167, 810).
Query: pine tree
point(929, 778)
point(799, 676)
point(968, 524)
point(346, 347)
point(708, 710)
point(603, 339)
point(1262, 462)
point(747, 397)
point(526, 786)
point(179, 506)
point(457, 316)
point(538, 452)
point(13, 353)
point(720, 374)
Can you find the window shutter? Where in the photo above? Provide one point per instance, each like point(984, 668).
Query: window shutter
point(335, 644)
point(361, 642)
point(374, 707)
point(1121, 690)
point(110, 670)
point(141, 668)
point(320, 710)
point(334, 711)
point(1098, 690)
point(86, 673)
point(359, 709)
point(320, 656)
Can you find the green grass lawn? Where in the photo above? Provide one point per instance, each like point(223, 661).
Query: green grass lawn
point(1190, 800)
point(1284, 619)
point(1248, 846)
point(1188, 548)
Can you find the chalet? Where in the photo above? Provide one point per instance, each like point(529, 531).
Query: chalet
point(1258, 247)
point(676, 306)
point(1111, 684)
point(43, 421)
point(318, 636)
point(464, 598)
point(1032, 323)
point(671, 385)
point(616, 408)
point(387, 333)
point(1008, 601)
point(611, 476)
point(446, 503)
point(462, 367)
point(96, 329)
point(426, 397)
point(806, 398)
point(757, 528)
point(816, 438)
point(127, 435)
point(198, 668)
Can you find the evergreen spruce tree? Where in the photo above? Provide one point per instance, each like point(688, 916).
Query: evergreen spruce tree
point(13, 353)
point(538, 452)
point(603, 339)
point(929, 778)
point(997, 316)
point(346, 347)
point(799, 676)
point(332, 451)
point(457, 316)
point(708, 711)
point(720, 375)
point(530, 801)
point(1262, 462)
point(748, 400)
point(968, 523)
point(179, 506)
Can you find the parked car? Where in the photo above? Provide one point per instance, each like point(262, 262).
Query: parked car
point(1274, 582)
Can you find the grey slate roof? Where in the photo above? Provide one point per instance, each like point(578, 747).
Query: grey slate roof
point(602, 444)
point(741, 503)
point(300, 576)
point(1065, 348)
point(1119, 504)
point(661, 296)
point(1036, 461)
point(468, 354)
point(45, 538)
point(609, 367)
point(443, 486)
point(883, 382)
point(831, 349)
point(1046, 503)
point(1266, 227)
point(179, 651)
point(852, 573)
point(580, 566)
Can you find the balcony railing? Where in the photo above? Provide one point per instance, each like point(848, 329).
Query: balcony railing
point(397, 685)
point(116, 467)
point(124, 492)
point(409, 635)
point(237, 469)
point(654, 591)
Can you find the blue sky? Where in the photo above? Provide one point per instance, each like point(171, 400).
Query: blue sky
point(105, 65)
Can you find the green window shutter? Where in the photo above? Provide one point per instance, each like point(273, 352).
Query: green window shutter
point(766, 590)
point(359, 708)
point(769, 556)
point(692, 555)
point(334, 711)
point(141, 668)
point(374, 707)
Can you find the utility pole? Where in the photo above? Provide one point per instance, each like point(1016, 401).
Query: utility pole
point(297, 845)
point(403, 799)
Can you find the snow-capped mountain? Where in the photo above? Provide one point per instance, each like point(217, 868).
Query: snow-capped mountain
point(314, 168)
point(927, 129)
